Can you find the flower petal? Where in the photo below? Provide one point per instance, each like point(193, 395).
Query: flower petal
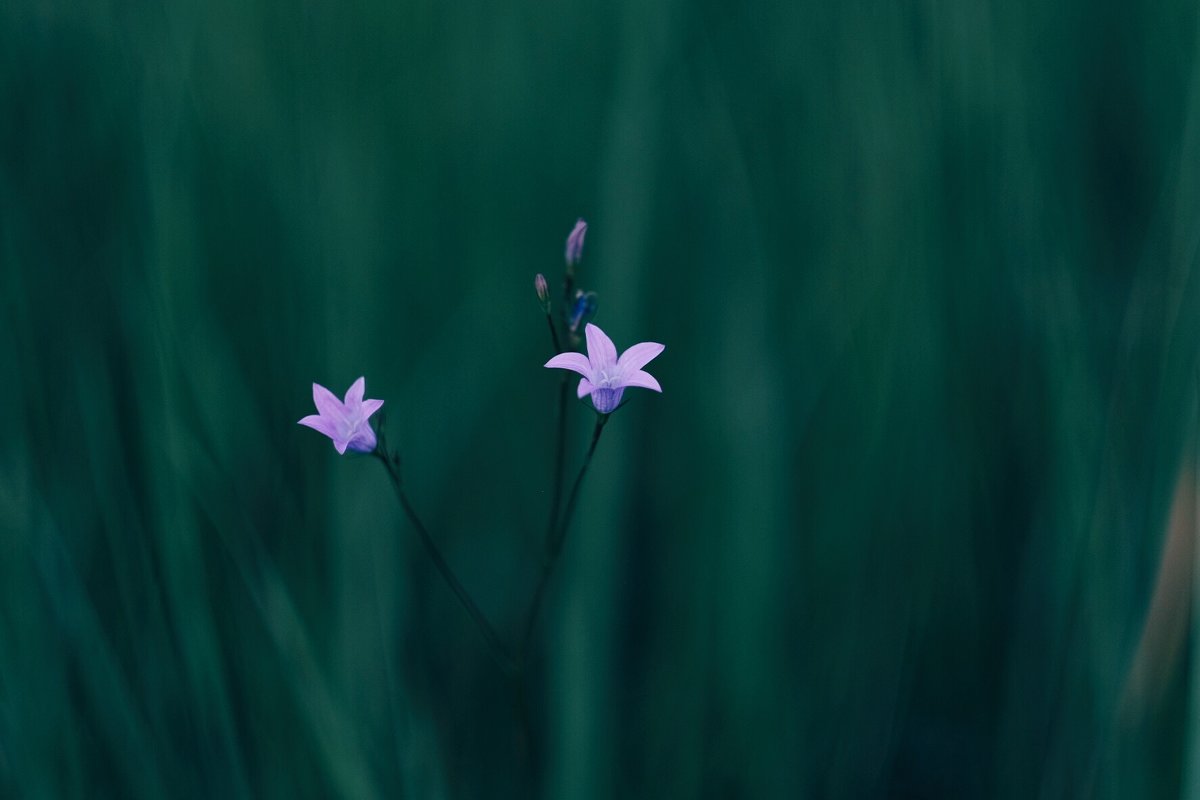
point(327, 402)
point(354, 394)
point(363, 440)
point(369, 407)
point(585, 388)
point(601, 351)
point(340, 445)
point(639, 356)
point(607, 400)
point(641, 379)
point(576, 362)
point(319, 424)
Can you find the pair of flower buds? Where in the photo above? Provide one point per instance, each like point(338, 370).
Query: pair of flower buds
point(580, 308)
point(605, 376)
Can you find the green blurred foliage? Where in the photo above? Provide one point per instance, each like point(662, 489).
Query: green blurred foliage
point(927, 277)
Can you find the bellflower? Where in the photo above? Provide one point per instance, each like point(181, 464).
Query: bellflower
point(344, 421)
point(605, 376)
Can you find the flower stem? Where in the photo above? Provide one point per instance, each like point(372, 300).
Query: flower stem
point(568, 290)
point(554, 542)
point(553, 333)
point(601, 421)
point(560, 447)
point(503, 659)
point(535, 605)
point(560, 457)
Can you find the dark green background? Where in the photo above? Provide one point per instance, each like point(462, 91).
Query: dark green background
point(926, 273)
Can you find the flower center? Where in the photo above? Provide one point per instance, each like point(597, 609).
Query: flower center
point(348, 426)
point(607, 379)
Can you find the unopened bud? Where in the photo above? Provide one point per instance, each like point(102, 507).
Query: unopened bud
point(583, 310)
point(575, 244)
point(543, 291)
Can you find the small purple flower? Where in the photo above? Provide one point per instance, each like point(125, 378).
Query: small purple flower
point(605, 377)
point(575, 242)
point(344, 421)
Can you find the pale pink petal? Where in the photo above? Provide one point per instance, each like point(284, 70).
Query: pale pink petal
point(369, 407)
point(354, 394)
point(327, 402)
point(601, 351)
point(642, 380)
point(319, 424)
point(576, 362)
point(340, 445)
point(639, 356)
point(585, 388)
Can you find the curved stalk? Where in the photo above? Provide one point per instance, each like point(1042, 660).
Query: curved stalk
point(554, 542)
point(499, 652)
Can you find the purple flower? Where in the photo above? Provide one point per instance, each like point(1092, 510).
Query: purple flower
point(575, 242)
point(605, 377)
point(344, 421)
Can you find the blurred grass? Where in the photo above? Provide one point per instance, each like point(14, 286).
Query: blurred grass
point(926, 275)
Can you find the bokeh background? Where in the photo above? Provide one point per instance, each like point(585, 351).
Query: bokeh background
point(914, 516)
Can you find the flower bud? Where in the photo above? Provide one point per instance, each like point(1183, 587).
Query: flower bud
point(583, 310)
point(543, 291)
point(575, 244)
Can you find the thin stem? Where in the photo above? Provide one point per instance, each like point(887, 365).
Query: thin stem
point(560, 447)
point(568, 290)
point(489, 633)
point(560, 457)
point(601, 420)
point(553, 332)
point(535, 605)
point(554, 542)
point(525, 743)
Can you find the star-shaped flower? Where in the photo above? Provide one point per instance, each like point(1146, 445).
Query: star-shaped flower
point(605, 377)
point(344, 421)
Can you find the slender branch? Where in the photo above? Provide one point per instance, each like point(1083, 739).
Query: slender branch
point(535, 605)
point(551, 526)
point(556, 545)
point(525, 743)
point(560, 447)
point(554, 542)
point(560, 454)
point(553, 332)
point(560, 457)
point(499, 652)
